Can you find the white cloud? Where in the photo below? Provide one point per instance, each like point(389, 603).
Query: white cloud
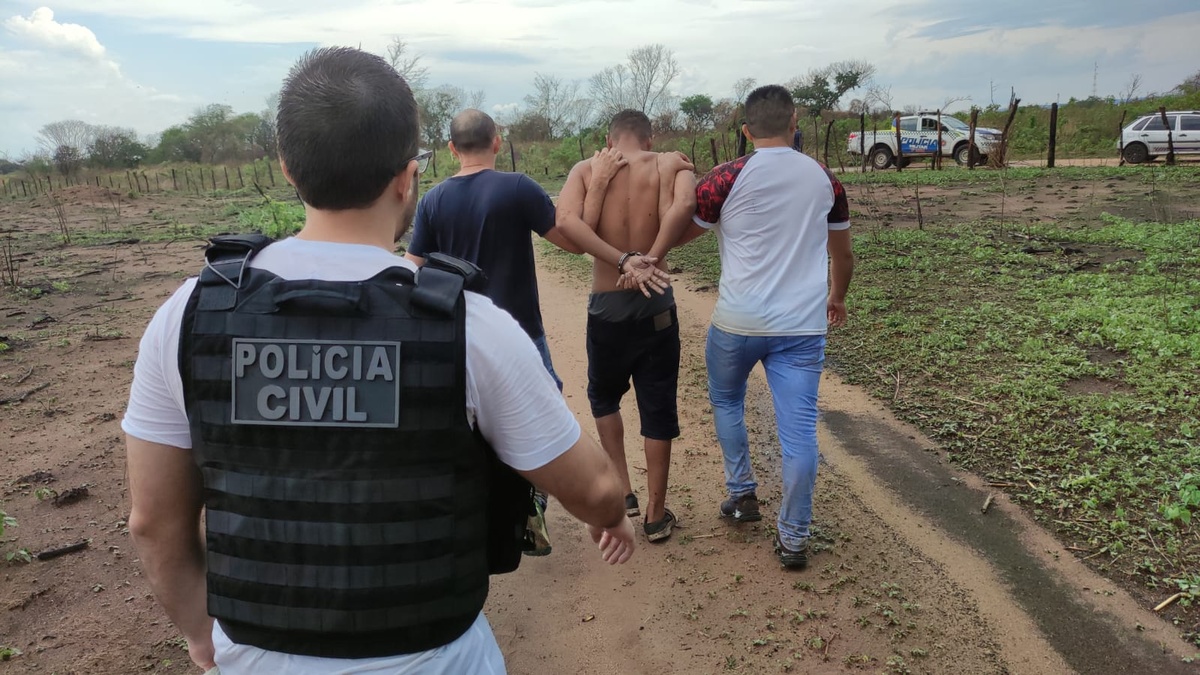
point(42, 29)
point(63, 71)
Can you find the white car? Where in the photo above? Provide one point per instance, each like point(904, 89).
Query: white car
point(919, 139)
point(1146, 138)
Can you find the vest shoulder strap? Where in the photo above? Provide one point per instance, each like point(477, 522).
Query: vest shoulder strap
point(441, 281)
point(228, 255)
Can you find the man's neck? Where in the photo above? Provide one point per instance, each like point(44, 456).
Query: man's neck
point(628, 147)
point(778, 142)
point(469, 164)
point(366, 227)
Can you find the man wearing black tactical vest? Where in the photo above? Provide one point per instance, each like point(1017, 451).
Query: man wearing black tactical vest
point(348, 426)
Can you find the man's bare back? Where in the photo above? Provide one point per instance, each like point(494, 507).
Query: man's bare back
point(635, 204)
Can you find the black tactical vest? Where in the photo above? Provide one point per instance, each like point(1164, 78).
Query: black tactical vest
point(346, 494)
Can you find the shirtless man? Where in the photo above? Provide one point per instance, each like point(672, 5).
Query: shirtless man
point(625, 201)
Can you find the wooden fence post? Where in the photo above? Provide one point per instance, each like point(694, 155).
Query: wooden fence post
point(174, 182)
point(937, 155)
point(271, 171)
point(899, 143)
point(1000, 159)
point(712, 144)
point(741, 143)
point(254, 167)
point(226, 177)
point(828, 135)
point(1121, 139)
point(971, 138)
point(862, 139)
point(1050, 151)
point(241, 182)
point(1162, 112)
point(187, 178)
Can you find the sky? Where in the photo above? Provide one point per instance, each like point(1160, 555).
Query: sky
point(148, 64)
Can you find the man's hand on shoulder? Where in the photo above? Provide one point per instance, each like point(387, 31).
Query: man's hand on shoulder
point(678, 161)
point(606, 164)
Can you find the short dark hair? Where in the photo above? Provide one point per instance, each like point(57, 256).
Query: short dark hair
point(631, 122)
point(347, 126)
point(472, 131)
point(769, 111)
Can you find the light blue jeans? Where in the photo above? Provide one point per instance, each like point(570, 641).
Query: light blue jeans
point(793, 365)
point(544, 349)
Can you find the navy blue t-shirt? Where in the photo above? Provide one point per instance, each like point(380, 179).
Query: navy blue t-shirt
point(486, 218)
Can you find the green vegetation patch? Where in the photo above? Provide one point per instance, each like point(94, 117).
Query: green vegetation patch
point(1061, 362)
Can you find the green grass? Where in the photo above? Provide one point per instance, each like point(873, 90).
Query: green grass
point(1076, 384)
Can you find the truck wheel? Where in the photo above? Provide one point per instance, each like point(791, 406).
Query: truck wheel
point(960, 154)
point(881, 158)
point(905, 162)
point(1136, 153)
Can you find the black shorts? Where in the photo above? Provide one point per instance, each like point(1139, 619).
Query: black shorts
point(646, 351)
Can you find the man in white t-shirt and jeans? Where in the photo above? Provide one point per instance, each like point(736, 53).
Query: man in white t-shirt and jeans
point(780, 219)
point(348, 135)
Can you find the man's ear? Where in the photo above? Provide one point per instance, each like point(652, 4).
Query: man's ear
point(608, 141)
point(795, 121)
point(453, 150)
point(496, 145)
point(746, 132)
point(404, 184)
point(286, 174)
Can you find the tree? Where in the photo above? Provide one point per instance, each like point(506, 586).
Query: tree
point(610, 89)
point(67, 159)
point(821, 88)
point(551, 101)
point(210, 128)
point(408, 63)
point(643, 83)
point(438, 107)
point(1131, 88)
point(742, 89)
point(116, 148)
point(72, 133)
point(878, 98)
point(475, 99)
point(652, 69)
point(1191, 84)
point(698, 109)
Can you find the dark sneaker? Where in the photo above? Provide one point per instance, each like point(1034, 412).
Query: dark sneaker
point(535, 532)
point(659, 530)
point(791, 558)
point(631, 506)
point(743, 509)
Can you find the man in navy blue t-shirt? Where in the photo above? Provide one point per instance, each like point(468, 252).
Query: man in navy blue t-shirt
point(485, 216)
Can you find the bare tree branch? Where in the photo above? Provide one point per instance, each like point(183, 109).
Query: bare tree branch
point(407, 63)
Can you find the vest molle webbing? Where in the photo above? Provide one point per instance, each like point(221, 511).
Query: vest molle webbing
point(345, 491)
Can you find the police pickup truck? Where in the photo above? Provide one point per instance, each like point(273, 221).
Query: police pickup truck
point(919, 139)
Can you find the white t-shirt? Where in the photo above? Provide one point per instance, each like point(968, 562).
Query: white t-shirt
point(772, 211)
point(510, 396)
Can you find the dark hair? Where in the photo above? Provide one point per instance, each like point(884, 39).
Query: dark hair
point(347, 126)
point(769, 111)
point(632, 122)
point(472, 131)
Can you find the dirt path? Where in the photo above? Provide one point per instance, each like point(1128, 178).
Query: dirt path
point(899, 587)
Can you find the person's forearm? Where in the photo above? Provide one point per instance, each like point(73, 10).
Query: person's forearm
point(671, 229)
point(593, 201)
point(586, 239)
point(841, 272)
point(175, 566)
point(602, 504)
